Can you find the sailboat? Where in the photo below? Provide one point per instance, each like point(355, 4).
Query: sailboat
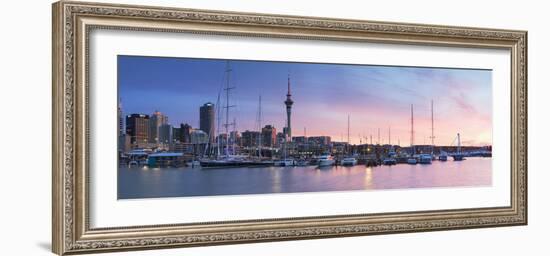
point(349, 160)
point(412, 159)
point(229, 159)
point(285, 161)
point(458, 156)
point(390, 159)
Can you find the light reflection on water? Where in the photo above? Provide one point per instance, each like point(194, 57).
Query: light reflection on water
point(146, 182)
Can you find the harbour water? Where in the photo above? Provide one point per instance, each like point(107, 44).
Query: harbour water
point(143, 182)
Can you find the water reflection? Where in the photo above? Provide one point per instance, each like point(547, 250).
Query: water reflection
point(174, 182)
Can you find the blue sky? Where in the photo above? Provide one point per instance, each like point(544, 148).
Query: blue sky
point(324, 95)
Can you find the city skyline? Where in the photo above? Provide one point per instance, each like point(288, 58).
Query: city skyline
point(375, 97)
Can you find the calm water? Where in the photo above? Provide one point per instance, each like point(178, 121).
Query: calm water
point(145, 182)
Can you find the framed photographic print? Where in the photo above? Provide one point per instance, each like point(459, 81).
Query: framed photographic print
point(179, 127)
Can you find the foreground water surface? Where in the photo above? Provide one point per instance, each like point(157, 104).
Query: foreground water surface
point(143, 182)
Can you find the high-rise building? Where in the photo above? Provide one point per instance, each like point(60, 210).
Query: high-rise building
point(137, 127)
point(185, 133)
point(155, 121)
point(288, 103)
point(250, 138)
point(165, 134)
point(269, 136)
point(176, 134)
point(123, 140)
point(121, 128)
point(207, 120)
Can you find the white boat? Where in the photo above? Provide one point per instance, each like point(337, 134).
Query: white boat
point(349, 161)
point(284, 162)
point(389, 161)
point(443, 156)
point(412, 160)
point(425, 158)
point(193, 164)
point(326, 160)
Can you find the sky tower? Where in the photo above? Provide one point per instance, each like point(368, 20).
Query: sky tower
point(288, 103)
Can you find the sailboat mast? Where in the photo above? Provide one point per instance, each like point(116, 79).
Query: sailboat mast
point(227, 106)
point(433, 137)
point(217, 133)
point(389, 135)
point(458, 137)
point(412, 129)
point(260, 127)
point(348, 129)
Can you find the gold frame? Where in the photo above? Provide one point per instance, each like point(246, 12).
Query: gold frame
point(72, 22)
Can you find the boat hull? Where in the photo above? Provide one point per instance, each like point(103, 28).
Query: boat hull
point(323, 163)
point(389, 162)
point(236, 164)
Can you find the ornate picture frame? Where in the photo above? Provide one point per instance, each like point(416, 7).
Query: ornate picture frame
point(72, 23)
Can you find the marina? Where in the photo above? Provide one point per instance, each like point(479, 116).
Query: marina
point(220, 157)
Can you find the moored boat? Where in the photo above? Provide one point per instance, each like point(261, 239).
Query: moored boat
point(412, 160)
point(349, 161)
point(389, 161)
point(284, 162)
point(425, 158)
point(442, 156)
point(326, 160)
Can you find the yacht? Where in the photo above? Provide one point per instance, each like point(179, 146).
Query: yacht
point(193, 164)
point(389, 161)
point(425, 158)
point(443, 156)
point(233, 161)
point(326, 160)
point(349, 161)
point(412, 160)
point(284, 162)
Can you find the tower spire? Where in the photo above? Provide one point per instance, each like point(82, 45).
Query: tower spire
point(288, 103)
point(288, 92)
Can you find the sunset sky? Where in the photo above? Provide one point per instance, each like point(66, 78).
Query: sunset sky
point(375, 97)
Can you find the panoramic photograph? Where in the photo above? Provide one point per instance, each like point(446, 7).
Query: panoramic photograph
point(215, 127)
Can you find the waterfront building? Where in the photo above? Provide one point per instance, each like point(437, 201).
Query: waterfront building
point(269, 136)
point(222, 140)
point(235, 137)
point(137, 127)
point(185, 133)
point(319, 140)
point(198, 137)
point(199, 141)
point(300, 140)
point(124, 144)
point(165, 134)
point(155, 121)
point(122, 138)
point(121, 127)
point(207, 119)
point(288, 103)
point(176, 134)
point(280, 139)
point(250, 138)
point(340, 148)
point(186, 148)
